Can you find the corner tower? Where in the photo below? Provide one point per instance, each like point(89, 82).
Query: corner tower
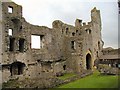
point(96, 32)
point(10, 28)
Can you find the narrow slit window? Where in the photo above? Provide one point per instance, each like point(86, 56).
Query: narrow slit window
point(73, 45)
point(10, 9)
point(99, 45)
point(62, 31)
point(21, 45)
point(88, 31)
point(76, 31)
point(66, 31)
point(10, 32)
point(12, 44)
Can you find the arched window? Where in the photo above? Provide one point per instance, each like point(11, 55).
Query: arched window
point(17, 68)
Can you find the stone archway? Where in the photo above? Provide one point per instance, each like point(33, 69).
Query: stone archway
point(88, 61)
point(17, 68)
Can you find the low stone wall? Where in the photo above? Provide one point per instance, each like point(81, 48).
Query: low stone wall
point(105, 69)
point(78, 76)
point(42, 82)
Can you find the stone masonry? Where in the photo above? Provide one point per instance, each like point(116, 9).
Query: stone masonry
point(62, 49)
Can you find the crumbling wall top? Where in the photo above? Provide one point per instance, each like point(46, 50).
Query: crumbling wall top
point(57, 24)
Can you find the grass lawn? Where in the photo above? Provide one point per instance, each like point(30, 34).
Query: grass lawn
point(94, 81)
point(65, 76)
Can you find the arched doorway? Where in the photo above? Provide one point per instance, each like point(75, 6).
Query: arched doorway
point(17, 68)
point(88, 61)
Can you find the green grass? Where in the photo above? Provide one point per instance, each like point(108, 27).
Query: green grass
point(66, 76)
point(94, 81)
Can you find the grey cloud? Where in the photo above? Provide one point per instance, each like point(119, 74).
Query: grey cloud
point(68, 10)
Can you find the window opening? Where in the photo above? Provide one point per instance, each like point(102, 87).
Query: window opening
point(10, 9)
point(17, 68)
point(37, 41)
point(12, 44)
point(21, 45)
point(64, 67)
point(10, 32)
point(73, 45)
point(66, 31)
point(73, 34)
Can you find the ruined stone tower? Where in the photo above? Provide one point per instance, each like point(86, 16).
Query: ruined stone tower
point(61, 49)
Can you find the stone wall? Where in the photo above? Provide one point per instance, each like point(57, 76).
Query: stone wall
point(63, 48)
point(110, 51)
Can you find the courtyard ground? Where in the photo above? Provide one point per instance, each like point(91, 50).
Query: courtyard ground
point(94, 81)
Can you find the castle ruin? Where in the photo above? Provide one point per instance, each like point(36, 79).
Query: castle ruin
point(61, 49)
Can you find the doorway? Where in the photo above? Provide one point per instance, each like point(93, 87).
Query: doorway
point(88, 61)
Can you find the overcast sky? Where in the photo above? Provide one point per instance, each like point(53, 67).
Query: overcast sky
point(44, 12)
